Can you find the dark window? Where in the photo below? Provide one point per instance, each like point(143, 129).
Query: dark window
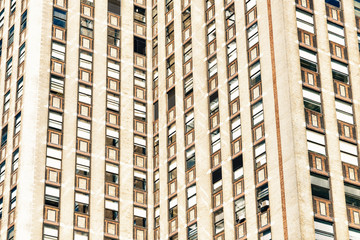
point(11, 36)
point(216, 176)
point(114, 37)
point(4, 136)
point(171, 98)
point(139, 46)
point(114, 6)
point(23, 21)
point(335, 3)
point(237, 163)
point(156, 111)
point(59, 18)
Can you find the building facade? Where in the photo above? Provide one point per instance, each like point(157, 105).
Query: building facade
point(179, 119)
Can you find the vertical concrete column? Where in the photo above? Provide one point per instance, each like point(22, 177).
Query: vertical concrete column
point(201, 113)
point(330, 121)
point(245, 110)
point(163, 168)
point(70, 121)
point(31, 172)
point(272, 153)
point(225, 134)
point(180, 131)
point(297, 184)
point(126, 210)
point(150, 119)
point(97, 184)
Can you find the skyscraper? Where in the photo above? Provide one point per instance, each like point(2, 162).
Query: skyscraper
point(179, 119)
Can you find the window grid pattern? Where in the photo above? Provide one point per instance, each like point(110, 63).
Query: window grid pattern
point(112, 135)
point(258, 128)
point(84, 122)
point(314, 117)
point(55, 122)
point(140, 122)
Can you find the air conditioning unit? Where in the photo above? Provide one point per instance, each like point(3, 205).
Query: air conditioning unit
point(264, 204)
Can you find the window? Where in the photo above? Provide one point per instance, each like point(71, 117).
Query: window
point(305, 21)
point(189, 121)
point(57, 51)
point(113, 37)
point(157, 217)
point(86, 27)
point(4, 135)
point(172, 170)
point(113, 69)
point(316, 142)
point(114, 6)
point(2, 171)
point(344, 111)
point(83, 165)
point(21, 53)
point(173, 209)
point(139, 217)
point(335, 3)
point(231, 51)
point(237, 165)
point(235, 128)
point(50, 232)
point(191, 196)
point(139, 145)
point(214, 103)
point(217, 180)
point(171, 98)
point(6, 101)
point(171, 134)
point(19, 88)
point(17, 123)
point(219, 221)
point(84, 128)
point(111, 210)
point(112, 173)
point(253, 35)
point(55, 120)
point(354, 234)
point(139, 14)
point(211, 32)
point(59, 18)
point(13, 198)
point(234, 89)
point(1, 207)
point(239, 210)
point(0, 47)
point(255, 74)
point(190, 157)
point(85, 93)
point(57, 85)
point(312, 100)
point(257, 113)
point(2, 15)
point(140, 111)
point(23, 21)
point(170, 65)
point(9, 68)
point(113, 101)
point(212, 67)
point(13, 6)
point(188, 86)
point(192, 232)
point(215, 141)
point(187, 51)
point(349, 153)
point(140, 46)
point(352, 195)
point(320, 186)
point(86, 59)
point(140, 180)
point(336, 33)
point(81, 203)
point(323, 230)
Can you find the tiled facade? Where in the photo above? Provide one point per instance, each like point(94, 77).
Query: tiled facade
point(179, 119)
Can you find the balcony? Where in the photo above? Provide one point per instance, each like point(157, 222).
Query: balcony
point(82, 184)
point(232, 69)
point(112, 154)
point(189, 101)
point(240, 231)
point(172, 150)
point(172, 187)
point(216, 159)
point(114, 20)
point(140, 162)
point(169, 16)
point(56, 102)
point(213, 83)
point(230, 33)
point(210, 13)
point(140, 127)
point(258, 133)
point(190, 176)
point(140, 61)
point(187, 34)
point(156, 197)
point(171, 114)
point(338, 52)
point(189, 138)
point(173, 226)
point(220, 236)
point(323, 209)
point(251, 16)
point(253, 54)
point(255, 93)
point(214, 121)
